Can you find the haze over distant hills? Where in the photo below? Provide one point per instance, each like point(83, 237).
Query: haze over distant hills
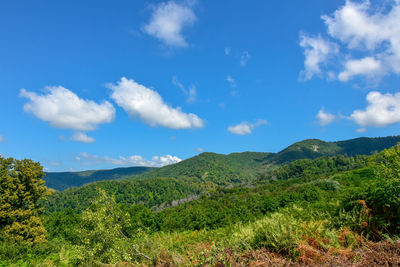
point(228, 169)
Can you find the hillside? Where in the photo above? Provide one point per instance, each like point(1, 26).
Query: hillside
point(330, 210)
point(234, 168)
point(148, 192)
point(220, 169)
point(314, 148)
point(206, 171)
point(64, 180)
point(336, 210)
point(237, 168)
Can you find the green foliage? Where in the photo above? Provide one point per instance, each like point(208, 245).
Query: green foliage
point(318, 166)
point(149, 192)
point(220, 169)
point(21, 187)
point(64, 180)
point(63, 225)
point(321, 204)
point(389, 163)
point(283, 231)
point(378, 202)
point(102, 234)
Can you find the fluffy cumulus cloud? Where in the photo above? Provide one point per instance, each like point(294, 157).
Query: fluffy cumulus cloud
point(369, 38)
point(316, 52)
point(64, 109)
point(147, 105)
point(325, 118)
point(167, 22)
point(134, 160)
point(368, 66)
point(82, 137)
point(382, 110)
point(245, 127)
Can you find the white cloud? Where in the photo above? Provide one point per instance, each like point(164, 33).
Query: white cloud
point(227, 51)
point(1, 139)
point(244, 58)
point(165, 160)
point(361, 130)
point(64, 109)
point(316, 52)
point(200, 149)
point(190, 93)
point(369, 36)
point(325, 118)
point(147, 105)
point(167, 22)
point(382, 110)
point(245, 127)
point(368, 66)
point(231, 81)
point(357, 27)
point(82, 137)
point(134, 160)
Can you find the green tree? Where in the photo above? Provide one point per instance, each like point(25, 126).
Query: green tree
point(103, 234)
point(390, 162)
point(21, 188)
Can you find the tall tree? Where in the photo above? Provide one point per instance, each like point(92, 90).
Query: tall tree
point(21, 188)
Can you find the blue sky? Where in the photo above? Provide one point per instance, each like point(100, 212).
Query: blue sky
point(103, 84)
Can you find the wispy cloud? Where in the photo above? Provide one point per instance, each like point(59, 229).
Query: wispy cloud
point(244, 58)
point(231, 81)
point(134, 160)
point(147, 105)
point(316, 52)
point(245, 127)
point(168, 20)
point(227, 51)
point(191, 92)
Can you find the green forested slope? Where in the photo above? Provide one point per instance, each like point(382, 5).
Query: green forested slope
point(217, 168)
point(149, 192)
point(64, 180)
point(312, 212)
point(206, 171)
point(314, 148)
point(234, 168)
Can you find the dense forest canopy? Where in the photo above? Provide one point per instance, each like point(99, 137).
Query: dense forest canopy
point(333, 206)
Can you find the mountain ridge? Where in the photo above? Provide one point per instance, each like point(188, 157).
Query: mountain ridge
point(225, 169)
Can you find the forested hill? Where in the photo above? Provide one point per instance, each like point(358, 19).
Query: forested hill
point(237, 168)
point(234, 168)
point(314, 148)
point(217, 168)
point(64, 180)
